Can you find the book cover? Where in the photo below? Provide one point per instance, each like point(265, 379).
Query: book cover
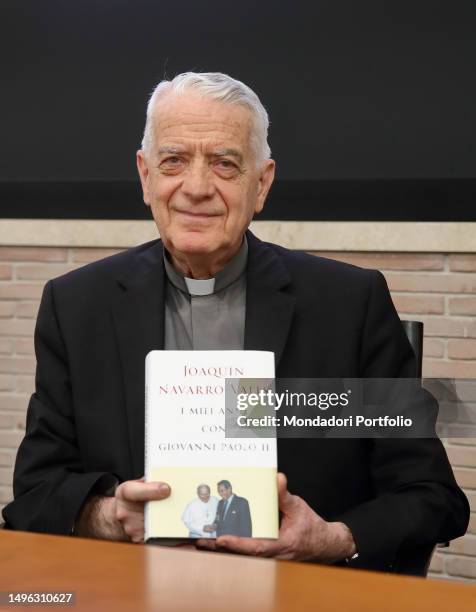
point(219, 484)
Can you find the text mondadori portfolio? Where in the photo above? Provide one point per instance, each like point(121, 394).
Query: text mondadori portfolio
point(319, 421)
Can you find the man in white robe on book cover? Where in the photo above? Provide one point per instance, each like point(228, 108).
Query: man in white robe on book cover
point(200, 512)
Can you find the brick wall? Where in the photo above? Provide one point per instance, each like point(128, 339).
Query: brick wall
point(438, 289)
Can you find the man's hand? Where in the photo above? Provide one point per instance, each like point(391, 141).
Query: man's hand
point(303, 535)
point(120, 517)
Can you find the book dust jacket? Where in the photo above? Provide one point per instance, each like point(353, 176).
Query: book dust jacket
point(219, 485)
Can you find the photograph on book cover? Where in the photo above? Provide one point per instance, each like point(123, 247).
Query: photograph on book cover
point(207, 502)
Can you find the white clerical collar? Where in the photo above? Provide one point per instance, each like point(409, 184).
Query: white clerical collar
point(200, 287)
point(225, 277)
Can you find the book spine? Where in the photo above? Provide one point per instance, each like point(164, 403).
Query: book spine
point(146, 444)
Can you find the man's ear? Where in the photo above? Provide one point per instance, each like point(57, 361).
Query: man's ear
point(265, 181)
point(143, 170)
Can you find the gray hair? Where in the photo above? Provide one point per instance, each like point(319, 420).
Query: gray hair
point(217, 86)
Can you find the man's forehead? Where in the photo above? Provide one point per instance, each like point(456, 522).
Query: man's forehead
point(191, 115)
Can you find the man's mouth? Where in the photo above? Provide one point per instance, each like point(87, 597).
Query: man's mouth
point(198, 215)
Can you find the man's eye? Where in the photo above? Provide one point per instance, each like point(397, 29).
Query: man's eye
point(171, 164)
point(226, 164)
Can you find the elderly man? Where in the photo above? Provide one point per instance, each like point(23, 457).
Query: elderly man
point(205, 169)
point(200, 512)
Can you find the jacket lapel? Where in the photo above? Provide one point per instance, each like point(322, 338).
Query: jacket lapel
point(222, 510)
point(269, 309)
point(138, 318)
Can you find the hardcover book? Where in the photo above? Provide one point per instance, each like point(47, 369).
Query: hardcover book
point(219, 485)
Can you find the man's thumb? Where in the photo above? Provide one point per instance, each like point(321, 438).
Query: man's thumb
point(285, 498)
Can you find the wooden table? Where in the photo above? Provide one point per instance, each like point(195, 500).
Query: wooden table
point(116, 576)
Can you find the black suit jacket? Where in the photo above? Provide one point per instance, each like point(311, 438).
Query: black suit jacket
point(237, 520)
point(85, 423)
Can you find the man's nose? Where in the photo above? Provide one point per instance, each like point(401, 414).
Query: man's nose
point(198, 182)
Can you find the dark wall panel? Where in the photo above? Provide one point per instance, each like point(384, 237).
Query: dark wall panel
point(356, 91)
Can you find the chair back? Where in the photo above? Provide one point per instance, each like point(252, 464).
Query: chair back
point(415, 562)
point(414, 331)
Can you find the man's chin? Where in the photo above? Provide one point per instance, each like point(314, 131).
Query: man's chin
point(195, 244)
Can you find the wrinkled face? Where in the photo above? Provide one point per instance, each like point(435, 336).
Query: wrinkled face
point(204, 494)
point(223, 492)
point(201, 180)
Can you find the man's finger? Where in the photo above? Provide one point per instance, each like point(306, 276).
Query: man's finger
point(248, 546)
point(206, 544)
point(136, 491)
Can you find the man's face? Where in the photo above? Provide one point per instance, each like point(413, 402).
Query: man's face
point(223, 492)
point(204, 494)
point(201, 180)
